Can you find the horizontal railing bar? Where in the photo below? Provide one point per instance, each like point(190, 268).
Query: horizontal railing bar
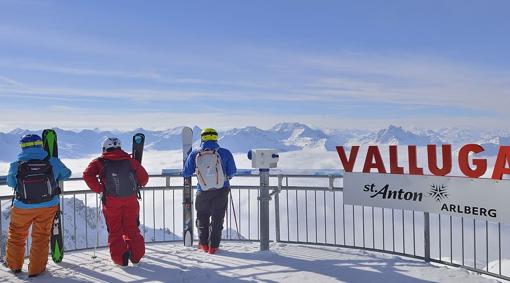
point(255, 173)
point(3, 179)
point(161, 188)
point(302, 188)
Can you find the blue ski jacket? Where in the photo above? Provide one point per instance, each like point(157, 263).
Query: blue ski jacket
point(60, 171)
point(227, 162)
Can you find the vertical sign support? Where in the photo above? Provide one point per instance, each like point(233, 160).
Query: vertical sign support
point(426, 236)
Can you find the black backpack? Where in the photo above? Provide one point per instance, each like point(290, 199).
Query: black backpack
point(119, 178)
point(36, 182)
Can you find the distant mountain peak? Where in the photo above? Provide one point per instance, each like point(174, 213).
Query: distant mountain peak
point(288, 126)
point(17, 131)
point(397, 135)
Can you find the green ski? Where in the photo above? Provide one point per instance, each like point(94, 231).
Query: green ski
point(56, 241)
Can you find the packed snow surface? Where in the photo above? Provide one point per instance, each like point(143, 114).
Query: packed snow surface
point(242, 261)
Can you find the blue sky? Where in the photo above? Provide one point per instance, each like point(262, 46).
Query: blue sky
point(337, 64)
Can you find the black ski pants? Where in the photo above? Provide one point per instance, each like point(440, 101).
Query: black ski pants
point(211, 207)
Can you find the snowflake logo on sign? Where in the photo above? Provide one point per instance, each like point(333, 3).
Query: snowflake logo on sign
point(438, 192)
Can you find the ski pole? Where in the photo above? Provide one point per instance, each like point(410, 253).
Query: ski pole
point(97, 229)
point(235, 218)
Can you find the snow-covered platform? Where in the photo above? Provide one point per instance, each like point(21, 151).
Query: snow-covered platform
point(242, 261)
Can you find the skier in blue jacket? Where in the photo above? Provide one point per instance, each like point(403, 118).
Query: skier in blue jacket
point(31, 208)
point(214, 166)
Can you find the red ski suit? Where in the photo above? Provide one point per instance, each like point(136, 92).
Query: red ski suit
point(121, 213)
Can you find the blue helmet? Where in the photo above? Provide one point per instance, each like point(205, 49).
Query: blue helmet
point(30, 140)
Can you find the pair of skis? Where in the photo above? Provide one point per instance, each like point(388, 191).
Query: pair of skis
point(50, 145)
point(187, 204)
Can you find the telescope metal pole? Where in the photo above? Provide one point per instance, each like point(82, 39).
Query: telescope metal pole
point(264, 209)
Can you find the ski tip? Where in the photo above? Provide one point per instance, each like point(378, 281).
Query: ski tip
point(187, 130)
point(138, 138)
point(57, 260)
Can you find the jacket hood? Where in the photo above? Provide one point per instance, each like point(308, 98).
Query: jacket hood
point(116, 154)
point(32, 153)
point(209, 145)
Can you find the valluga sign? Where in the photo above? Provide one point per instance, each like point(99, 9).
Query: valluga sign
point(484, 199)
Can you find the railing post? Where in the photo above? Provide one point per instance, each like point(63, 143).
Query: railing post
point(167, 186)
point(264, 209)
point(61, 184)
point(426, 236)
point(277, 207)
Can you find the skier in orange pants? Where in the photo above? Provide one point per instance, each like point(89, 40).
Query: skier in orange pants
point(34, 177)
point(41, 220)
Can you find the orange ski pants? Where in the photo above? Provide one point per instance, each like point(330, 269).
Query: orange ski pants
point(41, 220)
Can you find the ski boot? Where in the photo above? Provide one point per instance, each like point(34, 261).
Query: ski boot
point(205, 248)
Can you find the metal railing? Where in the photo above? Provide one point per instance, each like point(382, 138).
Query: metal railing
point(305, 209)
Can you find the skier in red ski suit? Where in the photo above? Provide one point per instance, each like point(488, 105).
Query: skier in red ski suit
point(118, 176)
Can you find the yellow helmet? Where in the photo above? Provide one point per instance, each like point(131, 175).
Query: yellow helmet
point(209, 134)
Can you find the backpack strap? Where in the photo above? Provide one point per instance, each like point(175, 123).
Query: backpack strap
point(102, 177)
point(58, 190)
point(220, 160)
point(215, 152)
point(15, 193)
point(199, 153)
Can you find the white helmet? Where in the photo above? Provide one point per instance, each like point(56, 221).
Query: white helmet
point(111, 143)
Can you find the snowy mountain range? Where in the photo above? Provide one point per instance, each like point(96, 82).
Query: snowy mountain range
point(283, 137)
